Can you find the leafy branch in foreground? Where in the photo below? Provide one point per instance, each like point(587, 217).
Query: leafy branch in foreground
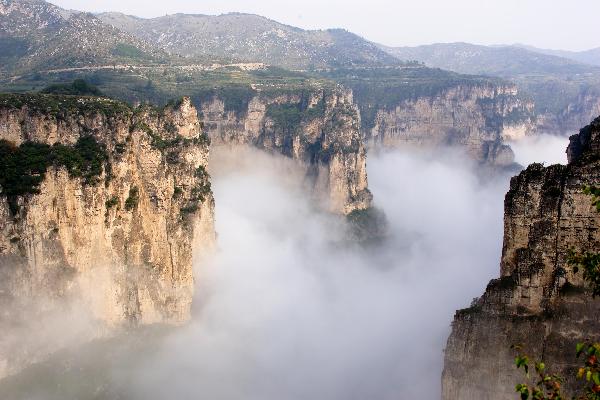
point(545, 386)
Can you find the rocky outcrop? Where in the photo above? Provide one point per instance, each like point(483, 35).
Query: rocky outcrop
point(538, 301)
point(116, 243)
point(319, 128)
point(476, 117)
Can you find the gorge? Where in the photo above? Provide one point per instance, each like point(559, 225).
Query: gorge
point(228, 207)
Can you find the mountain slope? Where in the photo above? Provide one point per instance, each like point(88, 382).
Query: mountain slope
point(253, 38)
point(505, 61)
point(37, 35)
point(591, 56)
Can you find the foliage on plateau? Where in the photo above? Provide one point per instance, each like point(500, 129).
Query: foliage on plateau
point(289, 116)
point(59, 106)
point(78, 87)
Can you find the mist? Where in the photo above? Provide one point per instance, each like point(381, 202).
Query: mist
point(284, 311)
point(287, 309)
point(544, 148)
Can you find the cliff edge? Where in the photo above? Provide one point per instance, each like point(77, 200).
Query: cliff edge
point(101, 208)
point(538, 301)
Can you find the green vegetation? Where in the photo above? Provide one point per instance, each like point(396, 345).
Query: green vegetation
point(133, 199)
point(22, 168)
point(113, 201)
point(203, 188)
point(129, 51)
point(547, 386)
point(367, 226)
point(63, 106)
point(79, 87)
point(11, 47)
point(504, 283)
point(593, 191)
point(177, 192)
point(234, 86)
point(475, 308)
point(289, 116)
point(84, 160)
point(158, 142)
point(589, 263)
point(191, 208)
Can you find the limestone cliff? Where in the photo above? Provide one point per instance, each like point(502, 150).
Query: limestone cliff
point(113, 235)
point(476, 117)
point(576, 112)
point(538, 301)
point(320, 128)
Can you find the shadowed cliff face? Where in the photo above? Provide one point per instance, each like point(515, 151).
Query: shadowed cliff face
point(83, 254)
point(319, 129)
point(538, 301)
point(476, 118)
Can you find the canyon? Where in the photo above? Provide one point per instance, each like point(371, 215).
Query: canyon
point(107, 211)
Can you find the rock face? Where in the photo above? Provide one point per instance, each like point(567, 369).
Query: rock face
point(538, 301)
point(475, 117)
point(580, 109)
point(318, 128)
point(119, 246)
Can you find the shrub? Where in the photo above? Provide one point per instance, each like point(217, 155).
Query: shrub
point(133, 199)
point(177, 192)
point(191, 208)
point(22, 168)
point(113, 201)
point(78, 87)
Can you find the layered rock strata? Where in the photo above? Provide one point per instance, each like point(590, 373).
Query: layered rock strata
point(116, 245)
point(538, 301)
point(318, 128)
point(477, 118)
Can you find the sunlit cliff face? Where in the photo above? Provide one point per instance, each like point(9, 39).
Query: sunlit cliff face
point(287, 310)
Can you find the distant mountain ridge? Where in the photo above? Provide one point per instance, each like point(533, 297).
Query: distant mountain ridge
point(254, 38)
point(591, 56)
point(503, 61)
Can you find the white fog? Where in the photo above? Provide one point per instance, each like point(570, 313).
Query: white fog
point(284, 310)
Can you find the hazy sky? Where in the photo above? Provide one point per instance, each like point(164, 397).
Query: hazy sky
point(559, 24)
